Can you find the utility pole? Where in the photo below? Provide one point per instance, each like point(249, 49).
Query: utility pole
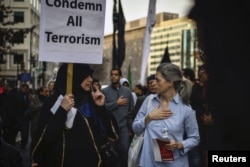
point(43, 72)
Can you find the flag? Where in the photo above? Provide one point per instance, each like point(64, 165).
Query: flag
point(119, 26)
point(115, 27)
point(147, 38)
point(166, 56)
point(129, 77)
point(121, 38)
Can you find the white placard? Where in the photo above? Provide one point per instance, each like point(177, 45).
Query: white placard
point(72, 31)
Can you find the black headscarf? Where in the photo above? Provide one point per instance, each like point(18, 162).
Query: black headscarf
point(80, 72)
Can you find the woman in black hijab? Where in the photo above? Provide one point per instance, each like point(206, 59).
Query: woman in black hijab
point(74, 127)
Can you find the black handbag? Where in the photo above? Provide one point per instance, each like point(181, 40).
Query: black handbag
point(109, 156)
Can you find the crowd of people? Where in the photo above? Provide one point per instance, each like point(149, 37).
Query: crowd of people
point(72, 127)
point(19, 113)
point(78, 124)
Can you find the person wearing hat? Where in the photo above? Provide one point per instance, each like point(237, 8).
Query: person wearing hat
point(125, 82)
point(73, 127)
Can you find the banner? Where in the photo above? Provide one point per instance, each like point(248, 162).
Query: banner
point(72, 31)
point(166, 56)
point(129, 77)
point(147, 38)
point(119, 46)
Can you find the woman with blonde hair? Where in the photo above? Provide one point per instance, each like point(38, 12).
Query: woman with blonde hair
point(167, 116)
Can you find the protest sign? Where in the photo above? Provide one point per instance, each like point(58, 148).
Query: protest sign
point(72, 31)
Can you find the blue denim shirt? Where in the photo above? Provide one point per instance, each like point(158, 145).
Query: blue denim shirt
point(182, 120)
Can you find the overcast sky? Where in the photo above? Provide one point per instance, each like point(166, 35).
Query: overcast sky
point(135, 9)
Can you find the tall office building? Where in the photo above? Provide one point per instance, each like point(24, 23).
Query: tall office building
point(178, 34)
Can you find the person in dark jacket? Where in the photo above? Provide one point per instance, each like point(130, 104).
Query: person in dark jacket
point(151, 89)
point(74, 125)
point(9, 155)
point(119, 101)
point(36, 103)
point(11, 112)
point(228, 90)
point(24, 91)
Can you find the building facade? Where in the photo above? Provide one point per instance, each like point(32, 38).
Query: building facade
point(178, 34)
point(19, 58)
point(20, 61)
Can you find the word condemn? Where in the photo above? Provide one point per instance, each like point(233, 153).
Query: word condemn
point(74, 5)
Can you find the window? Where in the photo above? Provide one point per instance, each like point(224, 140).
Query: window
point(1, 39)
point(19, 17)
point(1, 58)
point(18, 37)
point(1, 16)
point(18, 58)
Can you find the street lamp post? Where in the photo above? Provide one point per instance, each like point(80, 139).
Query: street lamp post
point(31, 45)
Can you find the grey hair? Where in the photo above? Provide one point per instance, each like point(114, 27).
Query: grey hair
point(172, 72)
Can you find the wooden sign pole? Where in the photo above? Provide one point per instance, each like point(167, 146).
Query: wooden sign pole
point(69, 78)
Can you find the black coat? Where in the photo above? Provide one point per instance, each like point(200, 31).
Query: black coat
point(9, 155)
point(75, 144)
point(11, 111)
point(55, 145)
